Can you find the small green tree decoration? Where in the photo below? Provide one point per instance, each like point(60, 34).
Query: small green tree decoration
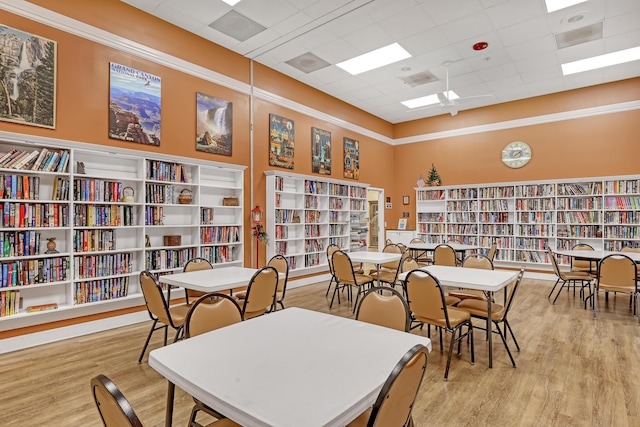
point(434, 178)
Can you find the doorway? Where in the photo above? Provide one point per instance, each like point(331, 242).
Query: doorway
point(375, 197)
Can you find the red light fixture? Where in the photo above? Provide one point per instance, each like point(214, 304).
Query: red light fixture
point(480, 46)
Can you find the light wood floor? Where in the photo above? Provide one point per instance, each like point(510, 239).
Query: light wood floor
point(572, 371)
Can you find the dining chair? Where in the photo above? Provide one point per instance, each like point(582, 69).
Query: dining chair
point(347, 277)
point(581, 264)
point(617, 273)
point(384, 306)
point(567, 278)
point(493, 250)
point(260, 296)
point(389, 270)
point(159, 310)
point(330, 250)
point(479, 309)
point(427, 303)
point(282, 267)
point(473, 261)
point(394, 404)
point(402, 247)
point(205, 316)
point(195, 264)
point(421, 256)
point(631, 249)
point(445, 255)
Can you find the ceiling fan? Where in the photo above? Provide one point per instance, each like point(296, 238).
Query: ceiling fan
point(449, 101)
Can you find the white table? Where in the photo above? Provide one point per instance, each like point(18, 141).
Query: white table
point(211, 280)
point(460, 248)
point(375, 258)
point(597, 255)
point(290, 368)
point(488, 281)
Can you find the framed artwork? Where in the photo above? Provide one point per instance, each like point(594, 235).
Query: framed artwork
point(214, 125)
point(351, 158)
point(405, 200)
point(281, 141)
point(320, 151)
point(402, 224)
point(28, 75)
point(134, 105)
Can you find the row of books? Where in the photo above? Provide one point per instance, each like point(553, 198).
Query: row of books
point(9, 303)
point(463, 228)
point(535, 230)
point(34, 271)
point(493, 217)
point(580, 203)
point(338, 190)
point(627, 217)
point(494, 205)
point(579, 217)
point(432, 228)
point(467, 205)
point(206, 216)
point(310, 202)
point(337, 229)
point(312, 231)
point(154, 215)
point(101, 290)
point(103, 215)
point(168, 258)
point(534, 190)
point(495, 192)
point(161, 193)
point(311, 260)
point(315, 187)
point(530, 256)
point(496, 229)
point(89, 240)
point(313, 246)
point(20, 215)
point(36, 160)
point(60, 189)
point(627, 203)
point(311, 216)
point(581, 230)
point(220, 254)
point(88, 266)
point(463, 193)
point(336, 203)
point(221, 234)
point(19, 243)
point(621, 232)
point(97, 190)
point(470, 217)
point(284, 215)
point(617, 245)
point(623, 187)
point(531, 243)
point(166, 171)
point(19, 187)
point(580, 189)
point(358, 192)
point(282, 232)
point(357, 205)
point(535, 217)
point(534, 204)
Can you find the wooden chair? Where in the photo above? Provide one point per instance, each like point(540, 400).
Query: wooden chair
point(567, 278)
point(473, 261)
point(617, 273)
point(384, 306)
point(389, 270)
point(347, 277)
point(395, 401)
point(261, 293)
point(421, 256)
point(445, 255)
point(159, 310)
point(195, 264)
point(428, 306)
point(499, 313)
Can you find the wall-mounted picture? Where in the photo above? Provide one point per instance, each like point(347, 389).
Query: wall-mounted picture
point(214, 124)
point(351, 158)
point(134, 105)
point(320, 151)
point(281, 141)
point(27, 78)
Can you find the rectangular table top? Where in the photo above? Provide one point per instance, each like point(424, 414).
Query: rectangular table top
point(458, 247)
point(291, 368)
point(374, 257)
point(469, 278)
point(211, 280)
point(597, 254)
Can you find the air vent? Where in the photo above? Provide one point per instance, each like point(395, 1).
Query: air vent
point(419, 79)
point(308, 62)
point(579, 35)
point(237, 26)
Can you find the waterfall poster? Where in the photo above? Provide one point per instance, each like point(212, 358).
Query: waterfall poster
point(281, 142)
point(320, 151)
point(27, 78)
point(134, 105)
point(214, 125)
point(351, 158)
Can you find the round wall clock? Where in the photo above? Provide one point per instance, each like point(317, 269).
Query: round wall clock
point(516, 154)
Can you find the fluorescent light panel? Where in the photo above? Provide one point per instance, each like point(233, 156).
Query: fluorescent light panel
point(427, 100)
point(374, 59)
point(601, 61)
point(231, 2)
point(553, 5)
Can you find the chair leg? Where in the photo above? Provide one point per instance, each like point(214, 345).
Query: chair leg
point(335, 291)
point(146, 343)
point(329, 287)
point(564, 283)
point(281, 304)
point(504, 341)
point(508, 326)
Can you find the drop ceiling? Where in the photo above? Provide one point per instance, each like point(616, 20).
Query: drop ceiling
point(304, 39)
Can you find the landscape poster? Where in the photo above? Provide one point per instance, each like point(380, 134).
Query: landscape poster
point(214, 124)
point(320, 151)
point(27, 78)
point(281, 142)
point(351, 158)
point(134, 105)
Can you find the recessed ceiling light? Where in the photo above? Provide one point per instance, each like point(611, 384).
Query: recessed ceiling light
point(374, 59)
point(427, 100)
point(601, 61)
point(231, 2)
point(553, 5)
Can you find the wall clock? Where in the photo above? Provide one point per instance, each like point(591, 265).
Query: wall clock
point(516, 154)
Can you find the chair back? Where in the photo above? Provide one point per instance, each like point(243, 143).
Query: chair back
point(403, 247)
point(343, 267)
point(384, 306)
point(394, 249)
point(204, 316)
point(493, 250)
point(478, 261)
point(282, 266)
point(426, 298)
point(398, 394)
point(554, 262)
point(511, 292)
point(330, 250)
point(409, 263)
point(444, 255)
point(629, 249)
point(619, 272)
point(261, 292)
point(416, 240)
point(196, 264)
point(581, 264)
point(154, 298)
point(115, 410)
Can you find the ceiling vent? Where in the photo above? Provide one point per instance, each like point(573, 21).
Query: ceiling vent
point(237, 26)
point(419, 79)
point(308, 62)
point(579, 35)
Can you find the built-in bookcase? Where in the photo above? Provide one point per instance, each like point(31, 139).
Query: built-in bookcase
point(524, 218)
point(111, 215)
point(304, 214)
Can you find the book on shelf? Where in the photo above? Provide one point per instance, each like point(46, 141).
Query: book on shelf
point(42, 307)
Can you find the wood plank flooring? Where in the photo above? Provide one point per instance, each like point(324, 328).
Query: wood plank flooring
point(572, 371)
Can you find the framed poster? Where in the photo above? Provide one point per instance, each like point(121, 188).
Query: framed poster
point(351, 158)
point(281, 141)
point(28, 74)
point(402, 224)
point(320, 151)
point(405, 200)
point(134, 105)
point(214, 125)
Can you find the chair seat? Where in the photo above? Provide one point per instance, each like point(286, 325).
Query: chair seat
point(479, 308)
point(240, 295)
point(361, 420)
point(613, 288)
point(468, 294)
point(360, 279)
point(179, 313)
point(456, 316)
point(451, 300)
point(224, 422)
point(387, 276)
point(576, 275)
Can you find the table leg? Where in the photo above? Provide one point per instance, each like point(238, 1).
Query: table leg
point(170, 392)
point(489, 325)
